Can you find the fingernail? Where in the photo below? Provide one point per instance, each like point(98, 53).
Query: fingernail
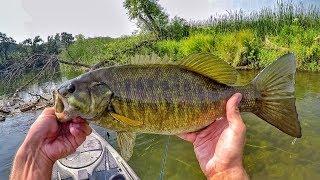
point(239, 98)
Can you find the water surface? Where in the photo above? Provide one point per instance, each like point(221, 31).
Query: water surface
point(269, 153)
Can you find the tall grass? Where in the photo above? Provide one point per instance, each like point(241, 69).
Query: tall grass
point(266, 22)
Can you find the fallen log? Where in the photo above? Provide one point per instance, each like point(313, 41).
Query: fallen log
point(28, 107)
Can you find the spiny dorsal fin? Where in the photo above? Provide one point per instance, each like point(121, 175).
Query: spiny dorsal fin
point(149, 59)
point(207, 65)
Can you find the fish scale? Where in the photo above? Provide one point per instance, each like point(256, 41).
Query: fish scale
point(196, 99)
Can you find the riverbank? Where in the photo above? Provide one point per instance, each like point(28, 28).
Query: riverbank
point(243, 40)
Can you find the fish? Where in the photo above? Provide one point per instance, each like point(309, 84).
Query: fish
point(177, 97)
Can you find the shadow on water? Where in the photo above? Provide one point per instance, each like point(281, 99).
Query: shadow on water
point(269, 153)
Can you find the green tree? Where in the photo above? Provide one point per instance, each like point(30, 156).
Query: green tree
point(66, 39)
point(149, 16)
point(5, 45)
point(27, 42)
point(53, 44)
point(37, 45)
point(178, 28)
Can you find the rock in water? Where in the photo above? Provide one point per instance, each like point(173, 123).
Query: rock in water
point(2, 118)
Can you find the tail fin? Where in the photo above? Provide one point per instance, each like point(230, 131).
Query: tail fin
point(276, 103)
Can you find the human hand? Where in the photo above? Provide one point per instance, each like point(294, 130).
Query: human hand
point(219, 147)
point(47, 141)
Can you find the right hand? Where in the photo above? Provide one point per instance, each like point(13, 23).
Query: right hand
point(219, 147)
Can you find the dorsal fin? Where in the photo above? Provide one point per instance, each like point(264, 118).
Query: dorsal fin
point(149, 59)
point(207, 65)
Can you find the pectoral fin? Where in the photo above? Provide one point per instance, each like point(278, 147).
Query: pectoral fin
point(126, 141)
point(126, 120)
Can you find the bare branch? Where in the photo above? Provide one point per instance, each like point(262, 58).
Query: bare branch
point(74, 63)
point(129, 50)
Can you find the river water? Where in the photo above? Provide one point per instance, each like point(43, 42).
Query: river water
point(269, 153)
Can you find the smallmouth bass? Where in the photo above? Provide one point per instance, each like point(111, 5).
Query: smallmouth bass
point(175, 98)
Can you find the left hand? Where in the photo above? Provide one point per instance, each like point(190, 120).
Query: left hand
point(47, 141)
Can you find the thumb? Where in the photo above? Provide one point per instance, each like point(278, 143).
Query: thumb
point(233, 113)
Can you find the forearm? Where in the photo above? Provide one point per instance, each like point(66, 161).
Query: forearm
point(231, 174)
point(30, 163)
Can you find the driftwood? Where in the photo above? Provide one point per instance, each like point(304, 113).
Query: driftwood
point(16, 105)
point(28, 107)
point(40, 103)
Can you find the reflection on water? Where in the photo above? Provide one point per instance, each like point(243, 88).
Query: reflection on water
point(269, 153)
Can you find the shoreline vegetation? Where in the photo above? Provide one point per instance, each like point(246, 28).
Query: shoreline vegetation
point(244, 40)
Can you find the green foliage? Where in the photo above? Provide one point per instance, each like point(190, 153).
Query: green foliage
point(178, 49)
point(6, 44)
point(237, 48)
point(152, 18)
point(266, 22)
point(94, 50)
point(149, 15)
point(251, 40)
point(178, 28)
point(195, 44)
point(11, 51)
point(168, 47)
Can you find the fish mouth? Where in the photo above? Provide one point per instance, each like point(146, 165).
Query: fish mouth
point(62, 108)
point(64, 111)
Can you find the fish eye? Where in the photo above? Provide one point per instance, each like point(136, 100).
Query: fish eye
point(71, 88)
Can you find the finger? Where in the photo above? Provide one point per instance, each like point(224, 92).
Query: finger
point(233, 113)
point(79, 120)
point(87, 129)
point(48, 111)
point(48, 114)
point(84, 127)
point(78, 136)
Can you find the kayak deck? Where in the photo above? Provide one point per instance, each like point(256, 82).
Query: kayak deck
point(94, 159)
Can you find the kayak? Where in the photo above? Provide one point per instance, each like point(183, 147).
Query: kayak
point(94, 159)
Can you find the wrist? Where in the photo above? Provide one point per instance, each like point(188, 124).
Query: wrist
point(31, 163)
point(235, 173)
point(34, 153)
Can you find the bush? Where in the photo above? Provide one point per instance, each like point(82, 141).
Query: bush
point(235, 48)
point(196, 44)
point(168, 47)
point(178, 28)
